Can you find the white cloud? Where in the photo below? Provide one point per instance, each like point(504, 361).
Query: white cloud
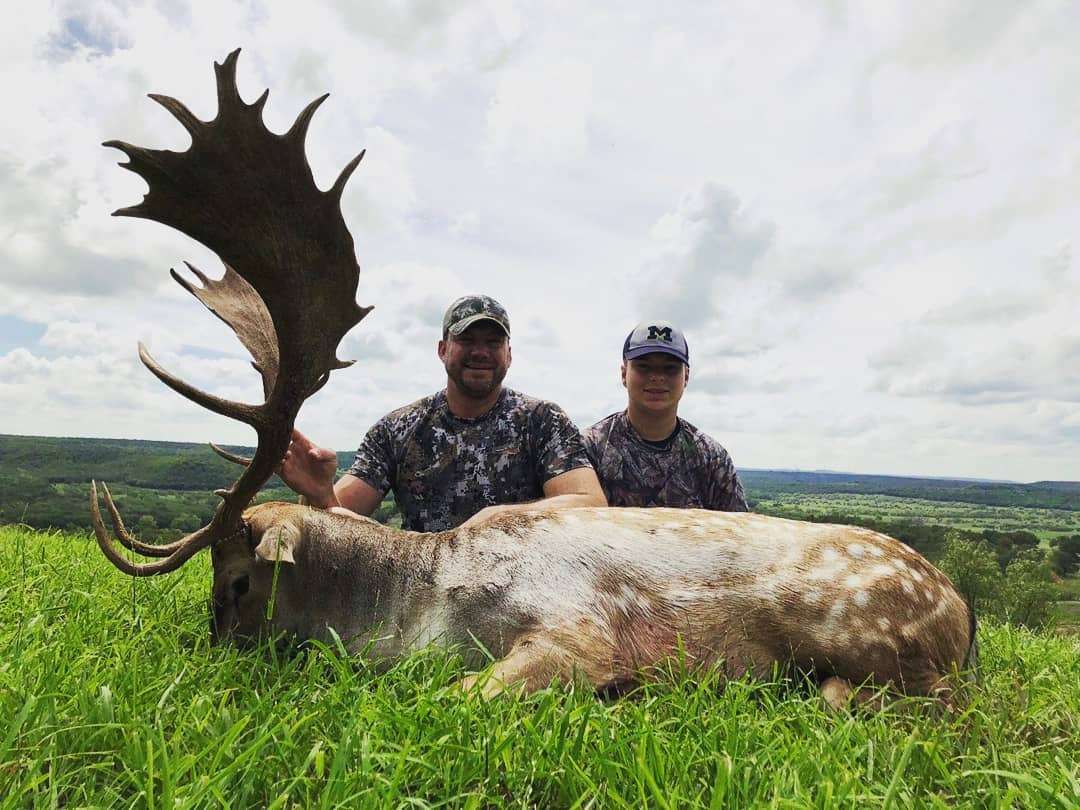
point(869, 248)
point(74, 337)
point(709, 248)
point(382, 194)
point(541, 108)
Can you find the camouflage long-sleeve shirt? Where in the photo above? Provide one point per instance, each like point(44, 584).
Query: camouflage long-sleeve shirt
point(444, 469)
point(690, 471)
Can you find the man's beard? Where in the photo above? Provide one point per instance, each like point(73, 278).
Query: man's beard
point(475, 389)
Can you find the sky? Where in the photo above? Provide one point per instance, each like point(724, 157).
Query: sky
point(863, 216)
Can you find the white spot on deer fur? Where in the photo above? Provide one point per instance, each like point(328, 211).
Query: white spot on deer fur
point(899, 564)
point(907, 586)
point(876, 551)
point(916, 575)
point(861, 598)
point(831, 627)
point(853, 581)
point(811, 596)
point(832, 566)
point(884, 623)
point(628, 598)
point(856, 549)
point(928, 594)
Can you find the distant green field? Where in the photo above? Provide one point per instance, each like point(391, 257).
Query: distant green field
point(110, 696)
point(1044, 523)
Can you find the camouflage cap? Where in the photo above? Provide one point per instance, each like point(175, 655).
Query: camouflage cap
point(656, 336)
point(469, 309)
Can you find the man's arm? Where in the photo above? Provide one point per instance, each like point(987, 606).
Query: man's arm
point(576, 488)
point(572, 490)
point(353, 496)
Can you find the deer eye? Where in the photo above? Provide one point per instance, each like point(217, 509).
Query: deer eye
point(240, 586)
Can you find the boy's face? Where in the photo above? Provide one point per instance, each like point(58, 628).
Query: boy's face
point(655, 382)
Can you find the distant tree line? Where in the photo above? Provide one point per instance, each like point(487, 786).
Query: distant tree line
point(1040, 495)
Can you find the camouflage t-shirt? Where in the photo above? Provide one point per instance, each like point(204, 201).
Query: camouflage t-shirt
point(691, 471)
point(444, 469)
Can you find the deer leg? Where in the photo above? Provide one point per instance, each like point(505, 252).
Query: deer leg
point(839, 694)
point(533, 663)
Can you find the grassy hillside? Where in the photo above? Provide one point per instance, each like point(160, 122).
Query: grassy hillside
point(111, 696)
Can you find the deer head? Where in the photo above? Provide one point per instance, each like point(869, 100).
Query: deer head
point(288, 291)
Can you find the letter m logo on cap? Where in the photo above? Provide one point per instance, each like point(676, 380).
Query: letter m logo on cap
point(656, 336)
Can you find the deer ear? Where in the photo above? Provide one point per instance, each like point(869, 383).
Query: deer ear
point(278, 543)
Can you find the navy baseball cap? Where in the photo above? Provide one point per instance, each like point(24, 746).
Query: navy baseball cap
point(656, 336)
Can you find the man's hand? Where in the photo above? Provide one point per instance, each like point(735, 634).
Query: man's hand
point(309, 470)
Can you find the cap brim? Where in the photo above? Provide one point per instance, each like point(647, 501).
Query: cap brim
point(641, 351)
point(465, 323)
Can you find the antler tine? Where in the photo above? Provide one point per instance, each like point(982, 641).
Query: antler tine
point(227, 92)
point(260, 102)
point(185, 548)
point(180, 112)
point(338, 188)
point(139, 161)
point(129, 541)
point(298, 131)
point(243, 461)
point(241, 411)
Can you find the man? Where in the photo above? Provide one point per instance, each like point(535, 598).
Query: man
point(465, 454)
point(647, 455)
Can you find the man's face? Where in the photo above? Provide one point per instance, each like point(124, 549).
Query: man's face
point(477, 359)
point(655, 382)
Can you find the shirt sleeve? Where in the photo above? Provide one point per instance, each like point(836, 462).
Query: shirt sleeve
point(727, 489)
point(559, 447)
point(591, 438)
point(375, 463)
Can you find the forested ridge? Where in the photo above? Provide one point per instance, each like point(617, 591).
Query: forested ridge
point(167, 487)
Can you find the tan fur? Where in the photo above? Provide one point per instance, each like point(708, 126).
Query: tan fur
point(606, 596)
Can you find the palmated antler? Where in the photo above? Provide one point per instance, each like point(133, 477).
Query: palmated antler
point(289, 289)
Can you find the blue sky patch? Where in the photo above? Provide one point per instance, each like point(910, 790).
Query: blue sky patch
point(75, 33)
point(15, 332)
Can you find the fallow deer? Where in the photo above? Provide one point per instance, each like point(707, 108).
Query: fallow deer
point(601, 595)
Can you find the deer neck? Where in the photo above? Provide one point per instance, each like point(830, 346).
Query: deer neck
point(366, 579)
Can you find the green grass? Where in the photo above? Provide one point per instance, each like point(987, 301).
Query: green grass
point(111, 696)
point(1044, 523)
